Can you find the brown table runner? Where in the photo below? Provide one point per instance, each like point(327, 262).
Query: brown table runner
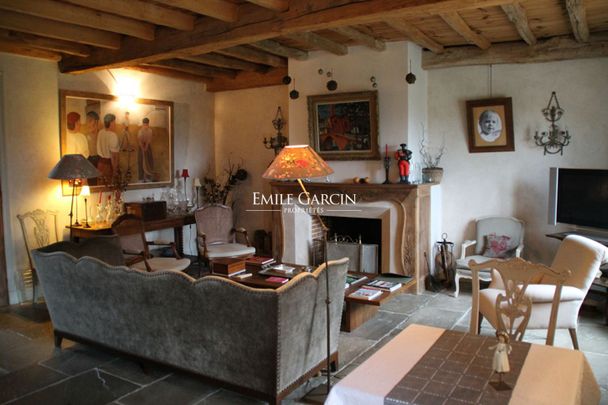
point(457, 369)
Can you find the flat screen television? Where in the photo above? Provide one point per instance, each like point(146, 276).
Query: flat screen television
point(578, 197)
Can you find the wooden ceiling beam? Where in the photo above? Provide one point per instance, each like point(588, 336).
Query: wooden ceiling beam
point(279, 49)
point(54, 29)
point(276, 5)
point(218, 60)
point(554, 49)
point(174, 74)
point(455, 21)
point(221, 9)
point(254, 56)
point(313, 40)
point(578, 19)
point(19, 48)
point(248, 80)
point(68, 13)
point(210, 35)
point(517, 15)
point(367, 40)
point(414, 34)
point(142, 10)
point(48, 44)
point(195, 68)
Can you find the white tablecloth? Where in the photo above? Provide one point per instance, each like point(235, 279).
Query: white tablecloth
point(550, 375)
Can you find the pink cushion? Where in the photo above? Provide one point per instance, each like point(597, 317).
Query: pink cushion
point(498, 246)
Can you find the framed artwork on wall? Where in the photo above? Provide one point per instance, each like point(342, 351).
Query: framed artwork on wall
point(490, 125)
point(344, 126)
point(126, 141)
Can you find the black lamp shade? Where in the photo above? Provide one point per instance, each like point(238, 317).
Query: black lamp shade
point(72, 167)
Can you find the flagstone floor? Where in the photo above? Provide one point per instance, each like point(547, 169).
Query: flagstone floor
point(32, 371)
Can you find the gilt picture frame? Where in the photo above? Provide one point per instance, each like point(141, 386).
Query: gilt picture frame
point(344, 126)
point(490, 125)
point(127, 140)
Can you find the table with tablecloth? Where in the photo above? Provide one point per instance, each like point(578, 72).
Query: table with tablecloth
point(547, 374)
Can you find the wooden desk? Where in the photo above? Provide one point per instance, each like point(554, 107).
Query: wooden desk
point(177, 222)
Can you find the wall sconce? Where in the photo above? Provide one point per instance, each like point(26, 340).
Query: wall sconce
point(279, 141)
point(553, 140)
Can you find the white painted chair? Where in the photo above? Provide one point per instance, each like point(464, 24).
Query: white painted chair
point(501, 229)
point(564, 284)
point(39, 229)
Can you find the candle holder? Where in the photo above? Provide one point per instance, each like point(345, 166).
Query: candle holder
point(387, 165)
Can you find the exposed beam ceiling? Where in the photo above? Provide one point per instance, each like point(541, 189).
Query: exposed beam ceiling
point(142, 10)
point(281, 50)
point(209, 36)
point(455, 21)
point(68, 13)
point(517, 15)
point(578, 19)
point(414, 34)
point(367, 40)
point(24, 50)
point(253, 55)
point(215, 59)
point(195, 68)
point(245, 80)
point(53, 29)
point(55, 45)
point(313, 40)
point(554, 49)
point(174, 74)
point(276, 5)
point(221, 9)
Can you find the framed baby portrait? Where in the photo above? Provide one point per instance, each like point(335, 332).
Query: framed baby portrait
point(128, 141)
point(490, 125)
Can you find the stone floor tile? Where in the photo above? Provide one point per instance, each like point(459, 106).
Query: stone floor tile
point(445, 301)
point(132, 371)
point(27, 353)
point(434, 317)
point(225, 397)
point(77, 359)
point(176, 389)
point(406, 303)
point(21, 382)
point(379, 326)
point(91, 388)
point(349, 347)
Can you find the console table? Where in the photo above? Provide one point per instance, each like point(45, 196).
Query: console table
point(177, 222)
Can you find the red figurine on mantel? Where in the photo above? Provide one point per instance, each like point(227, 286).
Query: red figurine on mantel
point(403, 156)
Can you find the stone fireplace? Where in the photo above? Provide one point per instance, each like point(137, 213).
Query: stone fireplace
point(403, 211)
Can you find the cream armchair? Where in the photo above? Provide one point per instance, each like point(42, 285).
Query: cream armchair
point(505, 231)
point(579, 256)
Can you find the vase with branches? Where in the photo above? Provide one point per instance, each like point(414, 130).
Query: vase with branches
point(431, 156)
point(217, 191)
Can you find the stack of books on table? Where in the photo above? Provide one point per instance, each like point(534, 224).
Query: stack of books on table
point(383, 285)
point(352, 280)
point(366, 293)
point(259, 261)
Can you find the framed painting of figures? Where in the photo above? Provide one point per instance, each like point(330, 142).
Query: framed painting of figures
point(344, 126)
point(128, 142)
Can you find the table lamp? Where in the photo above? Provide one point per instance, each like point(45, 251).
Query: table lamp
point(296, 162)
point(73, 167)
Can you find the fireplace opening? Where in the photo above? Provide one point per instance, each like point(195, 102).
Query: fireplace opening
point(359, 239)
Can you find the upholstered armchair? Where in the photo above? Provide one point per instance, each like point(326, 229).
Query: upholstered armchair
point(496, 237)
point(578, 256)
point(216, 235)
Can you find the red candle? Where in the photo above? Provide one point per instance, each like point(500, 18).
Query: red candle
point(386, 153)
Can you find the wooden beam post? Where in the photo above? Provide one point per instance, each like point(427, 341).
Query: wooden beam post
point(455, 21)
point(218, 60)
point(367, 40)
point(276, 5)
point(174, 74)
point(253, 55)
point(578, 19)
point(221, 9)
point(195, 68)
point(517, 15)
point(281, 50)
point(414, 34)
point(317, 41)
point(17, 48)
point(54, 45)
point(248, 80)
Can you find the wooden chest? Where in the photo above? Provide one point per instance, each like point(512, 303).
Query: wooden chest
point(147, 210)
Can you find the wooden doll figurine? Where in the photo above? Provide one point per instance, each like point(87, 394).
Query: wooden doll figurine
point(403, 157)
point(500, 362)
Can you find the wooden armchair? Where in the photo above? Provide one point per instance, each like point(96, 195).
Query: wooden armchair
point(216, 235)
point(130, 229)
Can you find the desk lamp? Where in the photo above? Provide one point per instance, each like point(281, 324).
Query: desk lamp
point(295, 163)
point(73, 167)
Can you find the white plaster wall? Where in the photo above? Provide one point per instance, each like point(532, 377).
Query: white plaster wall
point(516, 183)
point(242, 119)
point(31, 140)
point(353, 72)
point(417, 108)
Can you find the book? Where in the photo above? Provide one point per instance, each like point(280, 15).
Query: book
point(352, 279)
point(282, 268)
point(242, 276)
point(259, 261)
point(384, 285)
point(366, 293)
point(275, 279)
point(227, 266)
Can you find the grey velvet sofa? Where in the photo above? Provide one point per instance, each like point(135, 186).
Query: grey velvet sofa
point(263, 342)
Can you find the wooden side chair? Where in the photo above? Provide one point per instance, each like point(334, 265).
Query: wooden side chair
point(39, 229)
point(130, 229)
